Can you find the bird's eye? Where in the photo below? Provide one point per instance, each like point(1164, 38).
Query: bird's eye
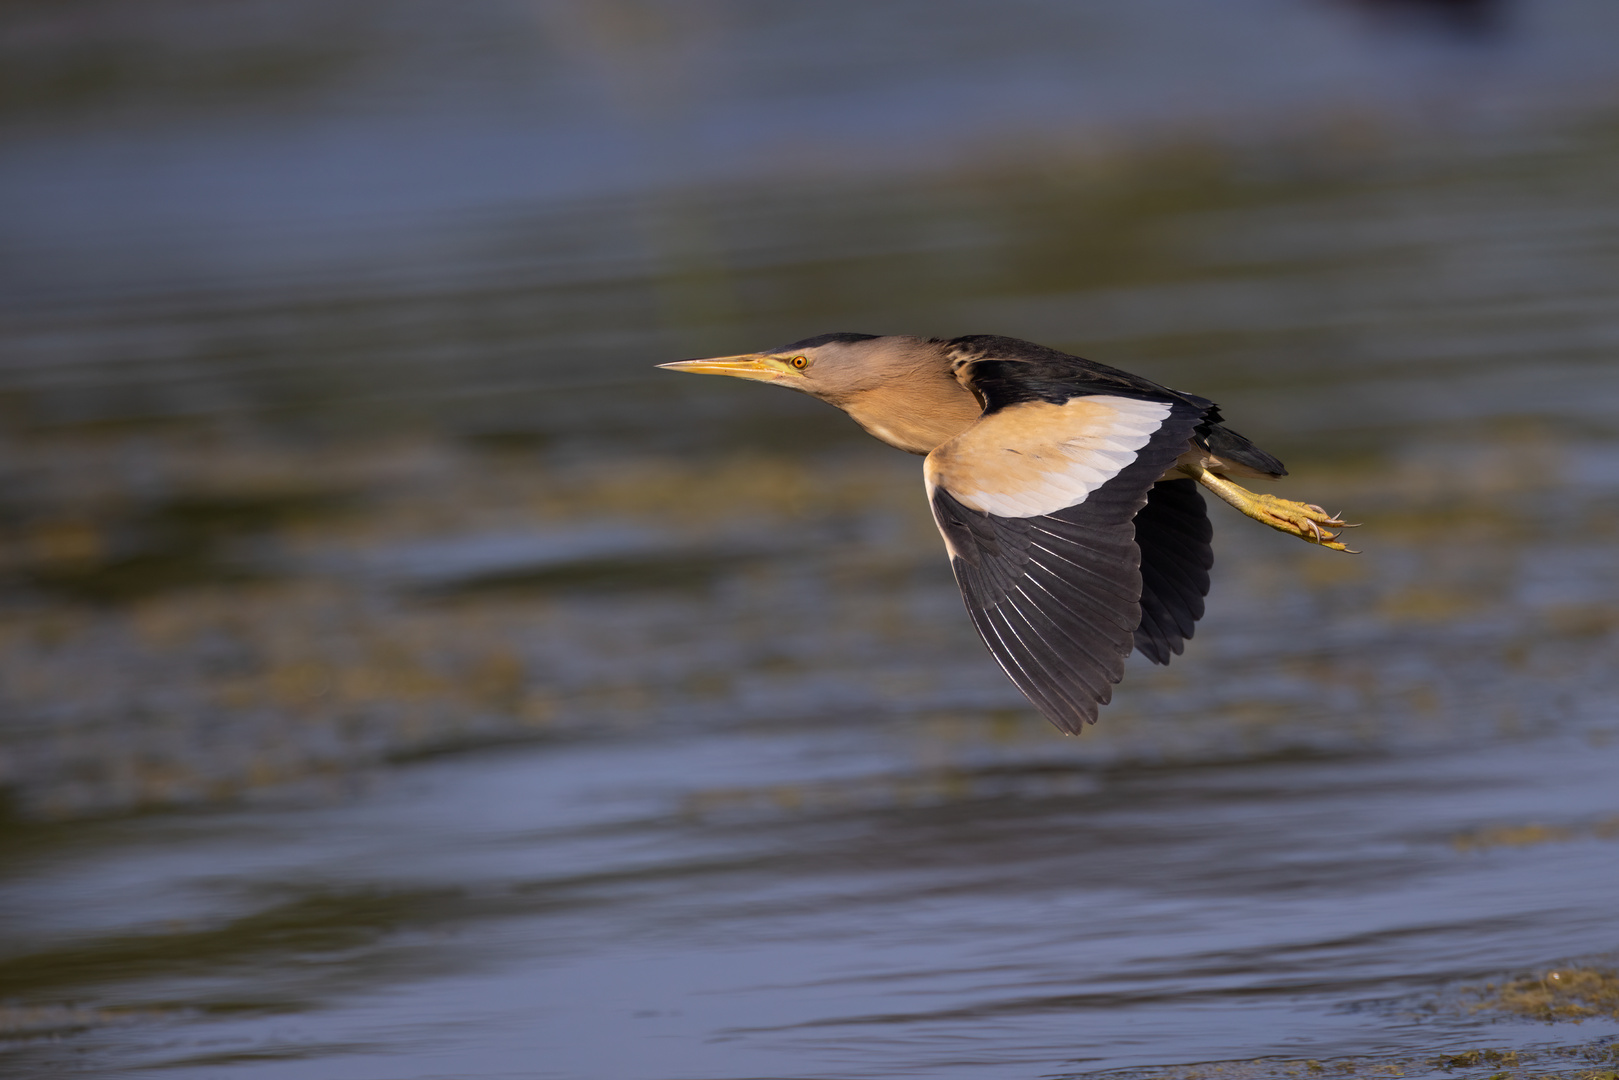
point(799, 361)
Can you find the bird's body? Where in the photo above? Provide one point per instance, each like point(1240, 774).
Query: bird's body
point(1065, 490)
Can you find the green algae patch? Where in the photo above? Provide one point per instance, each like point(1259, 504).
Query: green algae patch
point(1512, 836)
point(1472, 1059)
point(1598, 1061)
point(1533, 835)
point(1566, 994)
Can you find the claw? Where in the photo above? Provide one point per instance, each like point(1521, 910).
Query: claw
point(1332, 542)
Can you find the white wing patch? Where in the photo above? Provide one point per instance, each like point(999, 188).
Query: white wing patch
point(1037, 458)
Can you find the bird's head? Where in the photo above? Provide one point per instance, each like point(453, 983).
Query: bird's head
point(832, 367)
point(899, 388)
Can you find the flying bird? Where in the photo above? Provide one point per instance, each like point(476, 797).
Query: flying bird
point(1066, 492)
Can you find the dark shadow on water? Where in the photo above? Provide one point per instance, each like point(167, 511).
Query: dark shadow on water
point(1467, 19)
point(304, 930)
point(681, 573)
point(177, 543)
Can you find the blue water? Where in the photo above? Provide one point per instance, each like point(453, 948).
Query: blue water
point(400, 677)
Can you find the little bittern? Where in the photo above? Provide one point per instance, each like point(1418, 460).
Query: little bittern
point(1066, 492)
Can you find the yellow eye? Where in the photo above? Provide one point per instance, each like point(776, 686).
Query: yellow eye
point(799, 361)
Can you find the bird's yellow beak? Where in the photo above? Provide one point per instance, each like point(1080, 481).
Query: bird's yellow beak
point(760, 366)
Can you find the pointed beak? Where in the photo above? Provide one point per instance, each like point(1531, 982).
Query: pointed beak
point(751, 366)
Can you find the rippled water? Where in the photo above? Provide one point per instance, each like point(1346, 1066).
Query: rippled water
point(399, 677)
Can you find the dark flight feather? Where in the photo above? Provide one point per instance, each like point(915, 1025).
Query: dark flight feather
point(1173, 533)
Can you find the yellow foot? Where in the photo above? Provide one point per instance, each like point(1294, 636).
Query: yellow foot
point(1306, 521)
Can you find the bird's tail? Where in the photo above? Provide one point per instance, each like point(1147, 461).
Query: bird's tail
point(1228, 445)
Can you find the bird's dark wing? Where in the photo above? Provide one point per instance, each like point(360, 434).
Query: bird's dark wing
point(1036, 503)
point(1173, 533)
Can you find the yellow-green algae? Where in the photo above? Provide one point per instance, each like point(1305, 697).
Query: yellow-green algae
point(1568, 993)
point(231, 607)
point(191, 619)
point(1533, 834)
point(1593, 1062)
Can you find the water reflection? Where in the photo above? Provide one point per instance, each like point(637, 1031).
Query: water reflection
point(1467, 17)
point(400, 676)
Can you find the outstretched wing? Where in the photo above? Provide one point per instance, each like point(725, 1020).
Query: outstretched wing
point(1173, 533)
point(1036, 503)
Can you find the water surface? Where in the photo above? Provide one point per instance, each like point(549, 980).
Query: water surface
point(400, 677)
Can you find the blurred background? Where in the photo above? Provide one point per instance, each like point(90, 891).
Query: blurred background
point(400, 677)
